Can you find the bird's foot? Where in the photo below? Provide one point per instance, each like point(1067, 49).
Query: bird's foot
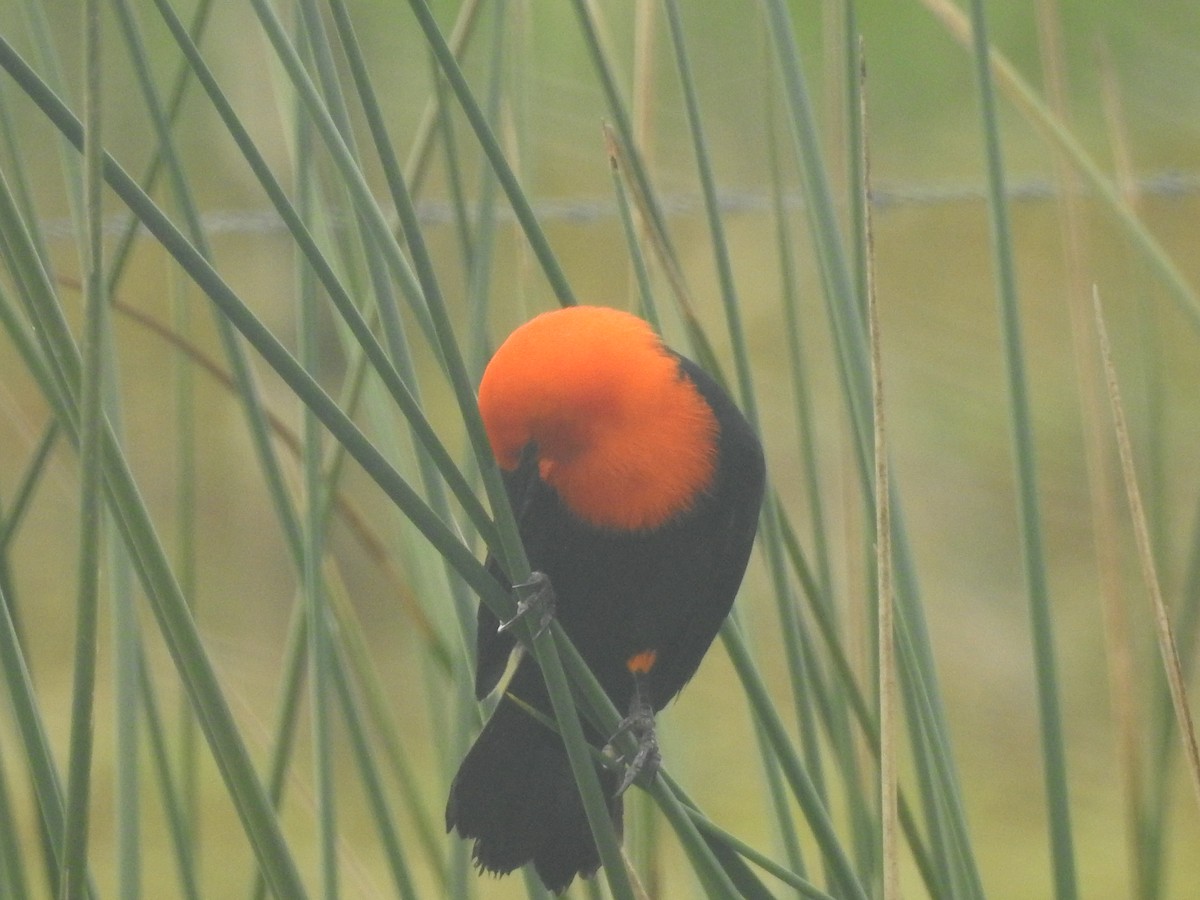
point(535, 597)
point(644, 764)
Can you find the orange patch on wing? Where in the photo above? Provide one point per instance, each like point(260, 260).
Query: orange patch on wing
point(641, 663)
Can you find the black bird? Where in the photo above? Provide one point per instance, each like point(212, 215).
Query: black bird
point(636, 484)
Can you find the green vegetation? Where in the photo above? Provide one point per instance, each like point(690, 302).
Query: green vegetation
point(251, 273)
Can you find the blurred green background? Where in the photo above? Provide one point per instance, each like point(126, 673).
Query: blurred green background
point(945, 383)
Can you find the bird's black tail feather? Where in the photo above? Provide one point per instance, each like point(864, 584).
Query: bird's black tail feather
point(515, 795)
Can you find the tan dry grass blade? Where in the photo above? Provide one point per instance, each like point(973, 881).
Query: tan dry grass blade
point(1099, 465)
point(1162, 622)
point(888, 782)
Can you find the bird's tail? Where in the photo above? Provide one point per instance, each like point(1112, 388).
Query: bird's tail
point(515, 795)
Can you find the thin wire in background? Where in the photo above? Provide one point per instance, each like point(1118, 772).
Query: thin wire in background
point(589, 211)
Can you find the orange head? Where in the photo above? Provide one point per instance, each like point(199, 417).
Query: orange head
point(622, 435)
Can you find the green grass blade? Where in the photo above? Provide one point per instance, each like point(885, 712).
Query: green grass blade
point(22, 496)
point(342, 155)
point(380, 715)
point(126, 637)
point(844, 307)
point(578, 753)
point(634, 164)
point(715, 878)
point(836, 714)
point(287, 714)
point(173, 801)
point(787, 836)
point(179, 85)
point(91, 390)
point(12, 866)
point(385, 368)
point(178, 629)
point(479, 249)
point(243, 376)
point(23, 263)
point(50, 369)
point(858, 193)
point(320, 645)
point(42, 34)
point(672, 803)
point(805, 679)
point(434, 114)
point(248, 390)
point(395, 331)
point(138, 533)
point(495, 154)
point(800, 379)
point(186, 553)
point(845, 314)
point(127, 664)
point(647, 308)
point(715, 834)
point(373, 784)
point(271, 349)
point(720, 248)
point(1049, 706)
point(844, 875)
point(35, 744)
point(846, 679)
point(16, 167)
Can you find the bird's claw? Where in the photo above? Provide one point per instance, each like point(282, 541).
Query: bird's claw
point(645, 762)
point(535, 597)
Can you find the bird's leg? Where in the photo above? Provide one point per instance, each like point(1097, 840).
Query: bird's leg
point(535, 597)
point(646, 760)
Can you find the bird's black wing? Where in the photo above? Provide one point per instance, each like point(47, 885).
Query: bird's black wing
point(731, 521)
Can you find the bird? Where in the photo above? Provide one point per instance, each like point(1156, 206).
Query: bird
point(636, 484)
